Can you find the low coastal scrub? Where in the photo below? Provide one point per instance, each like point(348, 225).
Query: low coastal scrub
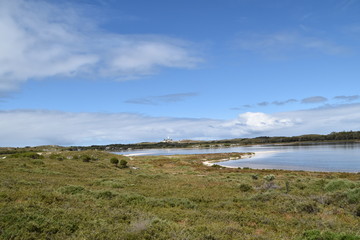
point(61, 196)
point(318, 235)
point(31, 155)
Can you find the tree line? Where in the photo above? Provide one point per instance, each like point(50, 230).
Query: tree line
point(347, 136)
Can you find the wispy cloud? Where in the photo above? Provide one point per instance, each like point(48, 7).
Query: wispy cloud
point(307, 100)
point(314, 99)
point(43, 40)
point(265, 103)
point(262, 104)
point(168, 98)
point(242, 107)
point(348, 98)
point(288, 43)
point(37, 127)
point(347, 4)
point(280, 103)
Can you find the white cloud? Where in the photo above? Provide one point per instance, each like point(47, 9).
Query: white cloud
point(40, 40)
point(323, 120)
point(52, 127)
point(257, 122)
point(143, 57)
point(37, 127)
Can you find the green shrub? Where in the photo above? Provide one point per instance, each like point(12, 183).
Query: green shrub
point(36, 223)
point(114, 160)
point(337, 185)
point(216, 166)
point(31, 155)
point(123, 163)
point(269, 178)
point(86, 158)
point(255, 176)
point(353, 196)
point(245, 187)
point(317, 235)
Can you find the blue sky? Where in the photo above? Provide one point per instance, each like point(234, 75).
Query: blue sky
point(106, 71)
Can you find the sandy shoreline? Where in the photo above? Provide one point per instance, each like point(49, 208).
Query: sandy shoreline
point(250, 155)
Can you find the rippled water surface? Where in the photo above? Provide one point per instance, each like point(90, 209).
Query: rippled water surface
point(316, 157)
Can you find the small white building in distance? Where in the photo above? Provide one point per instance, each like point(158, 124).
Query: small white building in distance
point(168, 139)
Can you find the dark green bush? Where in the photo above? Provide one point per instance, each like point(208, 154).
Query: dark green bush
point(114, 160)
point(255, 176)
point(86, 158)
point(123, 164)
point(216, 166)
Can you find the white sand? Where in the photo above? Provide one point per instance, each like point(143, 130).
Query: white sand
point(256, 154)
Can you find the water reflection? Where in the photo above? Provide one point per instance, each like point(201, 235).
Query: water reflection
point(315, 157)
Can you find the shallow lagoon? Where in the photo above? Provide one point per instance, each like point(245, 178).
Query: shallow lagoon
point(343, 157)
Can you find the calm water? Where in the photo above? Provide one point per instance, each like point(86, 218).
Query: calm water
point(317, 157)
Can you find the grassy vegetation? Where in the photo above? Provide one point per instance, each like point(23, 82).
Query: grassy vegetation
point(86, 195)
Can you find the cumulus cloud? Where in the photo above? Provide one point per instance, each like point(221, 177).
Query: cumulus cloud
point(42, 40)
point(257, 122)
point(322, 120)
point(37, 127)
point(168, 98)
point(314, 99)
